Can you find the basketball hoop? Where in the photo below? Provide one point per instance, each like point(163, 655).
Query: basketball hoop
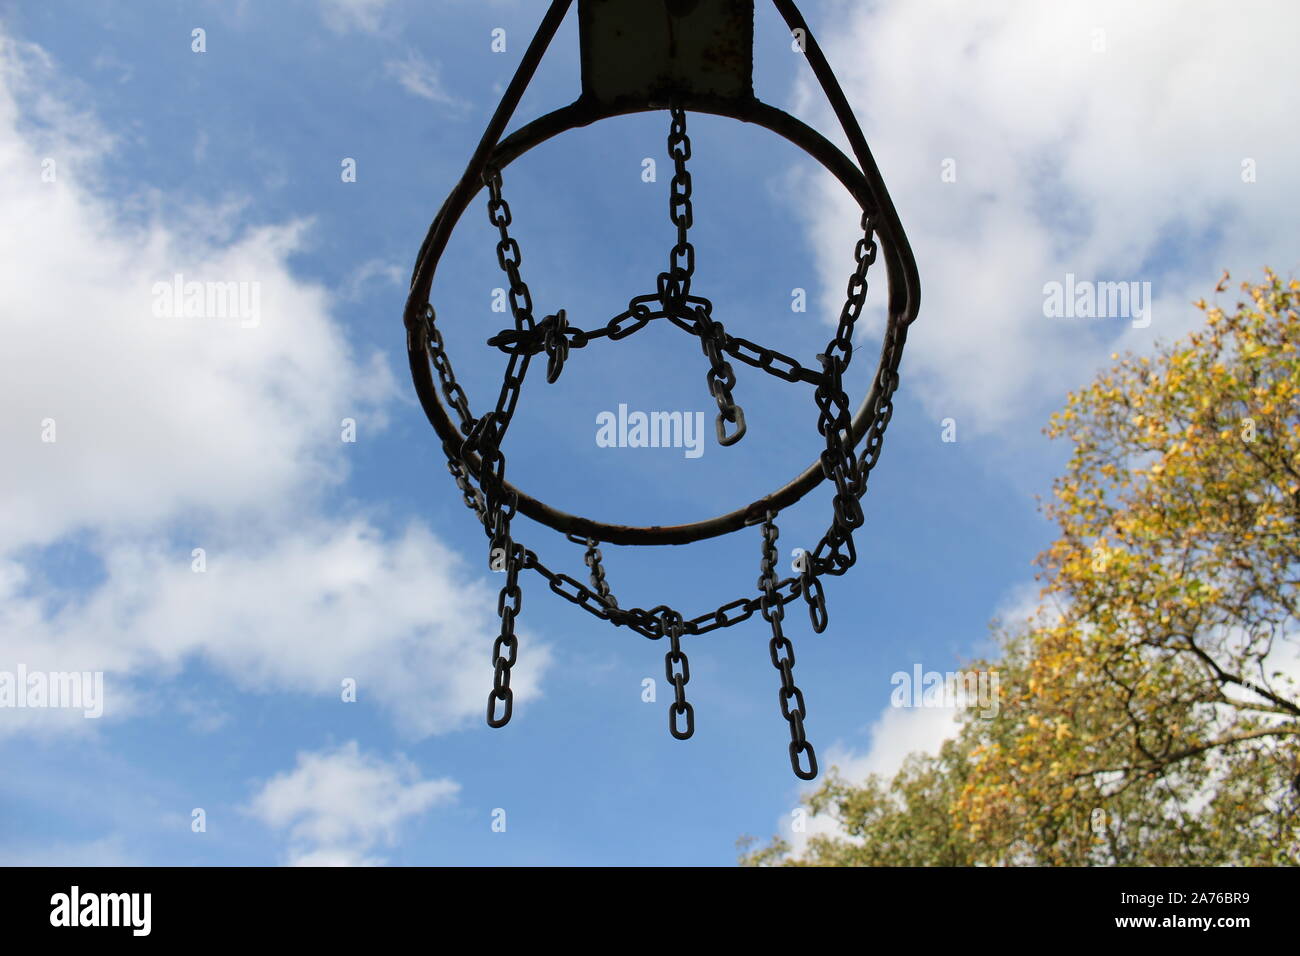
point(681, 56)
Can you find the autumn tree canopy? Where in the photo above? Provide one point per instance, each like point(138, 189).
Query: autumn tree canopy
point(1150, 712)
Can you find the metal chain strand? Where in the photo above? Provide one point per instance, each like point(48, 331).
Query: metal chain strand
point(782, 653)
point(743, 350)
point(835, 422)
point(678, 670)
point(675, 286)
point(471, 495)
point(509, 255)
point(813, 595)
point(593, 561)
point(768, 360)
point(498, 510)
point(556, 328)
point(647, 623)
point(441, 363)
point(485, 438)
point(505, 649)
point(721, 378)
point(592, 558)
point(555, 345)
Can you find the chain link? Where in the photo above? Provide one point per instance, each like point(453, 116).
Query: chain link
point(782, 653)
point(835, 423)
point(471, 496)
point(813, 595)
point(555, 336)
point(678, 670)
point(721, 378)
point(751, 353)
point(767, 360)
point(509, 255)
point(451, 389)
point(675, 284)
point(555, 345)
point(674, 288)
point(485, 437)
point(508, 605)
point(592, 558)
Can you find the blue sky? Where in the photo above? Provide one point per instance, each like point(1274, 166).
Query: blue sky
point(1117, 155)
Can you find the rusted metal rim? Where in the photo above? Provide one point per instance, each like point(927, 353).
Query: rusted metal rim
point(864, 184)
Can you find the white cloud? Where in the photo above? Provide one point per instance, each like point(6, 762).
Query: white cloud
point(1123, 164)
point(336, 806)
point(1023, 604)
point(153, 416)
point(176, 433)
point(896, 733)
point(298, 614)
point(372, 269)
point(422, 78)
point(344, 16)
point(105, 61)
point(108, 851)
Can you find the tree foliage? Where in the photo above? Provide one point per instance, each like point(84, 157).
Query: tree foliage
point(1150, 713)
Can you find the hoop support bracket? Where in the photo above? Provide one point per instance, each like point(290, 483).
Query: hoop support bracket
point(651, 53)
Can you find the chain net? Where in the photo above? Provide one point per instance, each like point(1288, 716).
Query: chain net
point(847, 470)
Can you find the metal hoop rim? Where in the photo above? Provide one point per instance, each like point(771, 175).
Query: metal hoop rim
point(581, 114)
point(864, 184)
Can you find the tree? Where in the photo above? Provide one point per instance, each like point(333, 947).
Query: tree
point(1150, 712)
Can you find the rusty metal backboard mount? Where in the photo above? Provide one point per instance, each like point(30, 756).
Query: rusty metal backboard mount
point(678, 55)
point(648, 53)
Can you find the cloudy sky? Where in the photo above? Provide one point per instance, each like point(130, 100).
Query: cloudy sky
point(180, 510)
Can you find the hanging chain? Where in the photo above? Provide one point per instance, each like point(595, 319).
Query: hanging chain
point(471, 496)
point(767, 360)
point(721, 378)
point(485, 438)
point(593, 560)
point(835, 422)
point(675, 284)
point(451, 389)
point(675, 287)
point(556, 328)
point(496, 522)
point(678, 670)
point(505, 649)
point(782, 652)
point(813, 595)
point(509, 255)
